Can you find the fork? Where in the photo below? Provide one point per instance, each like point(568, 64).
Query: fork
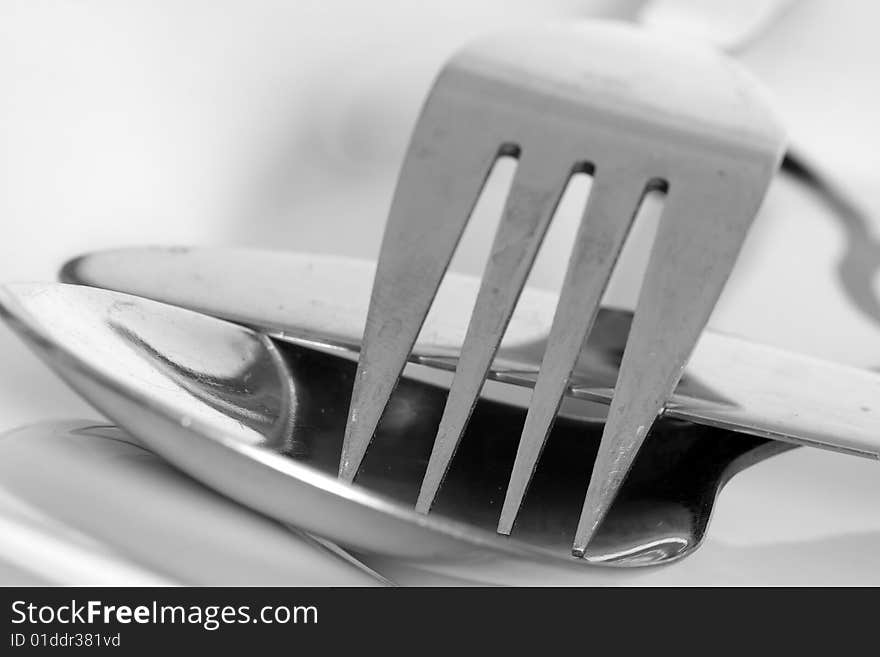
point(637, 113)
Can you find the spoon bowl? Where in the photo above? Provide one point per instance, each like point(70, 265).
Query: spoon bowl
point(262, 422)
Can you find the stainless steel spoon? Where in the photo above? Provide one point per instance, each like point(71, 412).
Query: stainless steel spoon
point(263, 422)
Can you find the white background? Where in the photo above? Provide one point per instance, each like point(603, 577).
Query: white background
point(282, 124)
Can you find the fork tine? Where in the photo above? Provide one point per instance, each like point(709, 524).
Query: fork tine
point(445, 168)
point(611, 208)
point(692, 257)
point(538, 184)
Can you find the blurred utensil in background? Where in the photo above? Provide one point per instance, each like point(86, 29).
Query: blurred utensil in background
point(732, 25)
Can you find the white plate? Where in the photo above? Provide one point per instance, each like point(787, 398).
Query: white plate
point(81, 503)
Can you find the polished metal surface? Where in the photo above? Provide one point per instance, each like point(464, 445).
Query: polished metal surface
point(264, 425)
point(205, 375)
point(637, 113)
point(728, 383)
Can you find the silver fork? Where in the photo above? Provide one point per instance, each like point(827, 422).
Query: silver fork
point(637, 113)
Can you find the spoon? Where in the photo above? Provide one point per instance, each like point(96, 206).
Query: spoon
point(262, 422)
